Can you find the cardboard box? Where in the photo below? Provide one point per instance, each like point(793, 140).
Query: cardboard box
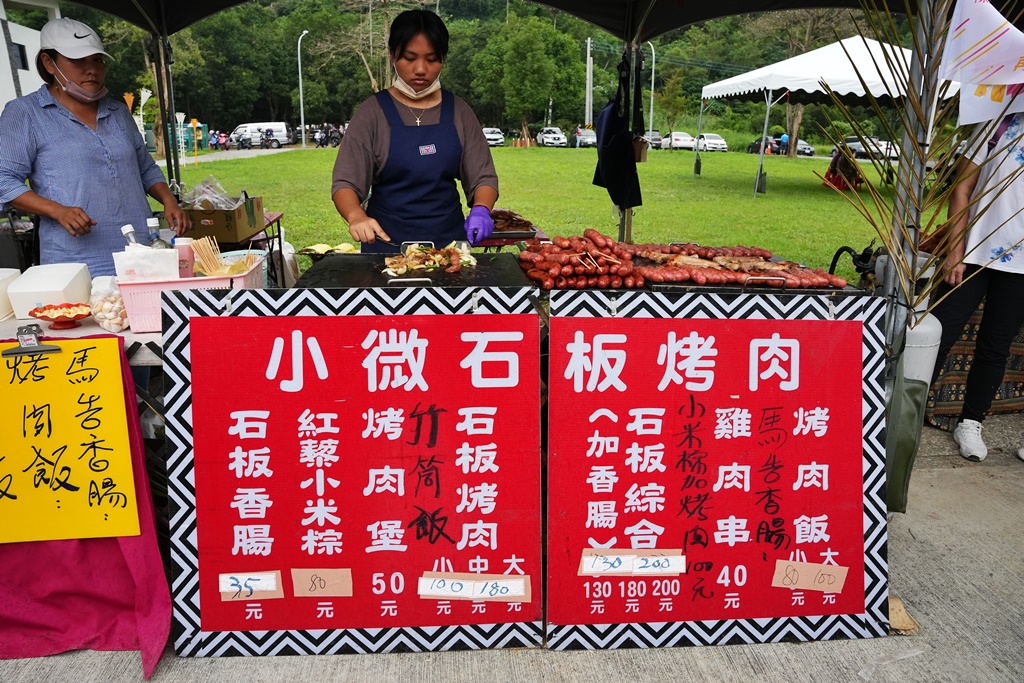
point(7, 276)
point(54, 283)
point(232, 226)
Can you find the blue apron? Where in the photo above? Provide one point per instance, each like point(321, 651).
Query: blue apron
point(415, 196)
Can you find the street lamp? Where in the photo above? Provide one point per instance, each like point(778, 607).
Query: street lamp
point(652, 86)
point(302, 110)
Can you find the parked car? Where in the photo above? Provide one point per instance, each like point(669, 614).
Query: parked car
point(856, 146)
point(584, 137)
point(889, 149)
point(551, 137)
point(495, 138)
point(653, 138)
point(255, 132)
point(755, 146)
point(711, 142)
point(678, 139)
point(804, 148)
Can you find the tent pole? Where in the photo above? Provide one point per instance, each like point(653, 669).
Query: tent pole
point(165, 42)
point(158, 58)
point(696, 149)
point(764, 134)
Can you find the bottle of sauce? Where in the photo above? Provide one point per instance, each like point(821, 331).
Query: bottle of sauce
point(129, 233)
point(155, 241)
point(186, 257)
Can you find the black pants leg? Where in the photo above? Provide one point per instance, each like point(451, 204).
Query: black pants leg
point(1003, 294)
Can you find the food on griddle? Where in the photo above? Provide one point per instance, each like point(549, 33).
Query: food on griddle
point(595, 260)
point(452, 258)
point(506, 220)
point(322, 249)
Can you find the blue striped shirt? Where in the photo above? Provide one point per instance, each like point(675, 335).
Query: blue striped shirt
point(105, 172)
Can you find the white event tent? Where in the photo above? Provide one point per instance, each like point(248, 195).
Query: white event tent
point(852, 68)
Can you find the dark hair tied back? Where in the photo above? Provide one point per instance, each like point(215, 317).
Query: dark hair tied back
point(410, 24)
point(41, 70)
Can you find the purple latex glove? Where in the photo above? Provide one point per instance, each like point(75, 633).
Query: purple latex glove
point(479, 225)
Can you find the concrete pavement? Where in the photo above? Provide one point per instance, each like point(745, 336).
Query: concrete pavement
point(955, 560)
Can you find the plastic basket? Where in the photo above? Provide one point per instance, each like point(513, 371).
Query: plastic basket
point(230, 256)
point(142, 299)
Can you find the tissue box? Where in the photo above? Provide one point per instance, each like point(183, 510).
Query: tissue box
point(146, 264)
point(231, 227)
point(54, 283)
point(7, 276)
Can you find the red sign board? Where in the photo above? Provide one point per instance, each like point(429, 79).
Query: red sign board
point(366, 471)
point(689, 460)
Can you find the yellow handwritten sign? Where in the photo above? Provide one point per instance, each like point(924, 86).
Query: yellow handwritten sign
point(65, 461)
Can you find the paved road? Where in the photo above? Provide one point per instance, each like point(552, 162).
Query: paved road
point(955, 560)
point(232, 154)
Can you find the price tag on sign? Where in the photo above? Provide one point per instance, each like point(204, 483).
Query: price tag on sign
point(250, 586)
point(600, 562)
point(829, 578)
point(458, 586)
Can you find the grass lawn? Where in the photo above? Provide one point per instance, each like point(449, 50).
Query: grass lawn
point(798, 218)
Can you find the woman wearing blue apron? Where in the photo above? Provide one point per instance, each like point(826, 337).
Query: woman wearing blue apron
point(406, 147)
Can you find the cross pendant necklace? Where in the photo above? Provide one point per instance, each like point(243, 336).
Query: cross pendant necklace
point(414, 115)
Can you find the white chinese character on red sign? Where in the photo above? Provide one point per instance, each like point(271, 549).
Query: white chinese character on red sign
point(646, 458)
point(320, 479)
point(646, 421)
point(308, 426)
point(313, 453)
point(810, 476)
point(386, 535)
point(477, 420)
point(811, 529)
point(688, 358)
point(513, 565)
point(508, 373)
point(601, 514)
point(732, 423)
point(779, 357)
point(386, 480)
point(324, 542)
point(644, 534)
point(813, 420)
point(647, 498)
point(602, 478)
point(732, 530)
point(320, 512)
point(249, 424)
point(734, 476)
point(479, 533)
point(480, 498)
point(254, 539)
point(395, 360)
point(296, 382)
point(603, 364)
point(253, 463)
point(599, 445)
point(251, 503)
point(387, 422)
point(479, 459)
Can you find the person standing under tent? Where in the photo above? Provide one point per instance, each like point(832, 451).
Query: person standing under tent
point(409, 144)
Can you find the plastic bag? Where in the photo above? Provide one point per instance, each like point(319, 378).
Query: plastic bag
point(107, 304)
point(210, 194)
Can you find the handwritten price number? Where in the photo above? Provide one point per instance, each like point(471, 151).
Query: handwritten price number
point(605, 563)
point(249, 585)
point(791, 576)
point(825, 578)
point(316, 583)
point(445, 586)
point(491, 589)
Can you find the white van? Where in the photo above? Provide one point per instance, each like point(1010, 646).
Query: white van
point(282, 135)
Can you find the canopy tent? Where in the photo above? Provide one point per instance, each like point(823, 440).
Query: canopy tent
point(856, 69)
point(853, 68)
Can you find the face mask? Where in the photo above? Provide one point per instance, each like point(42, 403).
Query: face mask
point(404, 88)
point(78, 92)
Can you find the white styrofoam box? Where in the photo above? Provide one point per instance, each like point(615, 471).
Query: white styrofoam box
point(7, 276)
point(53, 283)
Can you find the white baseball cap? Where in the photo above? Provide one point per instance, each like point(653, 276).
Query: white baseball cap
point(71, 38)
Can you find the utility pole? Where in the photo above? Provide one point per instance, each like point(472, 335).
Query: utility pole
point(650, 124)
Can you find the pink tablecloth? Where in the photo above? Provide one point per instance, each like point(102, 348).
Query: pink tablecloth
point(96, 594)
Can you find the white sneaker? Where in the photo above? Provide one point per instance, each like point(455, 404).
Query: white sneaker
point(968, 437)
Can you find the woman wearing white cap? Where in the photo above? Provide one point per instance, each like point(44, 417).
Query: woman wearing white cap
point(86, 163)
